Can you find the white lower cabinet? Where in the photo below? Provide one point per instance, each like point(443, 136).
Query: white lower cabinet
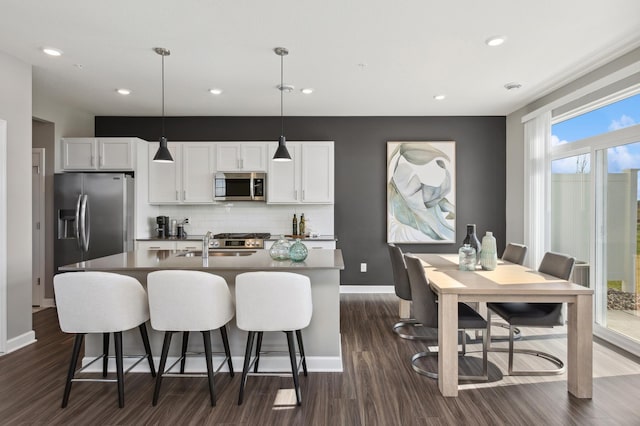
point(155, 245)
point(311, 244)
point(189, 245)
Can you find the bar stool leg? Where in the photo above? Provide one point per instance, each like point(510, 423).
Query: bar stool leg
point(247, 360)
point(77, 344)
point(301, 348)
point(117, 338)
point(294, 365)
point(207, 352)
point(258, 349)
point(227, 351)
point(147, 348)
point(105, 354)
point(185, 343)
point(163, 362)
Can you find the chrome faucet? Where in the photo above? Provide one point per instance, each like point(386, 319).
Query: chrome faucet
point(205, 245)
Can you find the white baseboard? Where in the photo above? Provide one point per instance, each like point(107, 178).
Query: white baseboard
point(196, 364)
point(346, 289)
point(48, 303)
point(21, 341)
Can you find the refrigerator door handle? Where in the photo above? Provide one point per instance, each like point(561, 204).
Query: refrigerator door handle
point(84, 220)
point(77, 226)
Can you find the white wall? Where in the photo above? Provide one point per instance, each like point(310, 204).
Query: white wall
point(616, 70)
point(68, 121)
point(15, 108)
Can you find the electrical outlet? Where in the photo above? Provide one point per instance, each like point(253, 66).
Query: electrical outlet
point(363, 267)
point(186, 220)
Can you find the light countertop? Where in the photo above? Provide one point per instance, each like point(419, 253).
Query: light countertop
point(274, 237)
point(148, 260)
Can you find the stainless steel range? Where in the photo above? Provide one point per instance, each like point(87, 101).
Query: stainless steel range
point(239, 241)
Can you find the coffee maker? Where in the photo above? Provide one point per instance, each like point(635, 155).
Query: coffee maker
point(163, 226)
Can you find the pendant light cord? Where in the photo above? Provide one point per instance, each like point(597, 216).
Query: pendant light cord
point(282, 95)
point(163, 95)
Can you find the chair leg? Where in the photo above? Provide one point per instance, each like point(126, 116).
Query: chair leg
point(163, 362)
point(227, 351)
point(247, 360)
point(185, 343)
point(258, 349)
point(77, 344)
point(301, 348)
point(117, 338)
point(207, 353)
point(294, 365)
point(510, 350)
point(147, 347)
point(105, 354)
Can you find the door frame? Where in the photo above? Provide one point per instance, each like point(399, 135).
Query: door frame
point(38, 290)
point(3, 237)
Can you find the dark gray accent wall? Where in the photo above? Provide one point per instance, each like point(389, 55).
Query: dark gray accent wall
point(360, 171)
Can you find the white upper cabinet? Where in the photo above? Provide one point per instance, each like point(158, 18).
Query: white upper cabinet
point(188, 180)
point(109, 154)
point(197, 172)
point(241, 156)
point(307, 179)
point(165, 183)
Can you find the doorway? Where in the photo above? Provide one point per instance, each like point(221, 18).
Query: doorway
point(38, 225)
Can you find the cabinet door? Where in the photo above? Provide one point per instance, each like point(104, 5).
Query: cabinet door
point(227, 157)
point(253, 157)
point(197, 172)
point(283, 177)
point(317, 172)
point(115, 154)
point(155, 245)
point(189, 245)
point(79, 154)
point(164, 178)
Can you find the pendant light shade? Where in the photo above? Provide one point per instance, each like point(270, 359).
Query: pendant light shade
point(163, 155)
point(282, 154)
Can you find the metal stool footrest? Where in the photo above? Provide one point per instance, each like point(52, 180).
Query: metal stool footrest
point(167, 373)
point(139, 359)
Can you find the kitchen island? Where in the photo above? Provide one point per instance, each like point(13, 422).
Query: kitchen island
point(321, 338)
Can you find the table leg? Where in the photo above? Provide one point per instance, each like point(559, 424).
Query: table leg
point(580, 347)
point(448, 344)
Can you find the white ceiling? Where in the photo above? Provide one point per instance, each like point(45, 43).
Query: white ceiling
point(362, 57)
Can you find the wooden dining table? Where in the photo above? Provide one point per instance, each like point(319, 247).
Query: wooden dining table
point(508, 283)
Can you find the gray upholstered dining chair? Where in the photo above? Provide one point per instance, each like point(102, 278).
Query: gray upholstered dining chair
point(515, 253)
point(403, 291)
point(535, 315)
point(425, 307)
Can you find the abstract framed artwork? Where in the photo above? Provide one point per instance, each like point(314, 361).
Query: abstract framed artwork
point(421, 192)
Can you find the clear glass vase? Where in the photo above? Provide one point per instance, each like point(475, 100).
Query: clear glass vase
point(467, 258)
point(280, 249)
point(298, 251)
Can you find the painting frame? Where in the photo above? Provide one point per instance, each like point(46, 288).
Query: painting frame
point(421, 192)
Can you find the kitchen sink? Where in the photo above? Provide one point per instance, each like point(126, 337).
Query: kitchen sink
point(217, 253)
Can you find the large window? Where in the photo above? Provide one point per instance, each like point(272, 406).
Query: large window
point(594, 203)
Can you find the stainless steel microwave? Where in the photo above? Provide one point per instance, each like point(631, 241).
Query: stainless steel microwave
point(240, 186)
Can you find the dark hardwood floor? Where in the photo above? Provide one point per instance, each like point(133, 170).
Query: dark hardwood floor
point(377, 387)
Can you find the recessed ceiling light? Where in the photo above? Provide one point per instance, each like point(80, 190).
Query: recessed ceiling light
point(124, 91)
point(439, 97)
point(51, 51)
point(307, 91)
point(512, 86)
point(215, 91)
point(495, 41)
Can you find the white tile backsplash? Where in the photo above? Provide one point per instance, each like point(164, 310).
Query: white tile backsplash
point(250, 217)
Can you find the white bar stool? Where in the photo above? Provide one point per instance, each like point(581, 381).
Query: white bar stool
point(184, 301)
point(101, 302)
point(273, 301)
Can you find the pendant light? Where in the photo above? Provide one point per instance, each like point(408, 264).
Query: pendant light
point(282, 154)
point(163, 155)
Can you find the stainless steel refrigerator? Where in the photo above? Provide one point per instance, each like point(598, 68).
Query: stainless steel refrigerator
point(94, 216)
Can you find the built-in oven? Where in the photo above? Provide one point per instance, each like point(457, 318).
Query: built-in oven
point(240, 186)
